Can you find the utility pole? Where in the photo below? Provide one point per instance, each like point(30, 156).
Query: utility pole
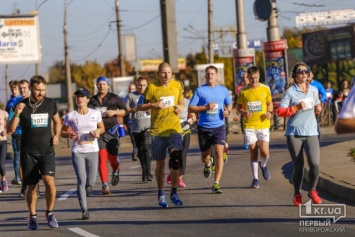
point(67, 63)
point(119, 40)
point(210, 32)
point(273, 30)
point(241, 35)
point(169, 33)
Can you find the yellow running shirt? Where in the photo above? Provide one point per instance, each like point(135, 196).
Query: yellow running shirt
point(254, 100)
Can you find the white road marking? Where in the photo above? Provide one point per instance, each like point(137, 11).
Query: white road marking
point(134, 167)
point(82, 232)
point(66, 195)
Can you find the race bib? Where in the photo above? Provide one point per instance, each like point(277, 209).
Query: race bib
point(39, 120)
point(141, 115)
point(213, 111)
point(255, 106)
point(168, 101)
point(309, 103)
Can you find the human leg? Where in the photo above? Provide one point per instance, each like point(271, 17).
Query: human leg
point(79, 163)
point(16, 161)
point(295, 148)
point(139, 141)
point(175, 147)
point(112, 148)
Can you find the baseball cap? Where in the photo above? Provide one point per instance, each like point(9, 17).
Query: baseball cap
point(102, 78)
point(82, 91)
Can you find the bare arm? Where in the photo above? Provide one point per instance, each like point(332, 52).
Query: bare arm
point(15, 120)
point(56, 128)
point(345, 125)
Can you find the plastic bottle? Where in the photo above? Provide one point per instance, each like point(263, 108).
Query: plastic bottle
point(121, 131)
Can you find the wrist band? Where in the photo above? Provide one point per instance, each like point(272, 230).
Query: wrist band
point(134, 110)
point(17, 115)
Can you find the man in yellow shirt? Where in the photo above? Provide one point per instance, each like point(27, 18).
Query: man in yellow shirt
point(255, 104)
point(165, 100)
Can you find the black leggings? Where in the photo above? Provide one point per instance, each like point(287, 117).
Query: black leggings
point(3, 152)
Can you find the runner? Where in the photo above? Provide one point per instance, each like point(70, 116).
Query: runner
point(3, 149)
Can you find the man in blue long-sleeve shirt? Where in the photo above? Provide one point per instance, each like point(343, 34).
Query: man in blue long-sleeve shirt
point(321, 91)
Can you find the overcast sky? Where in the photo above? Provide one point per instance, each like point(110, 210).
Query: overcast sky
point(92, 33)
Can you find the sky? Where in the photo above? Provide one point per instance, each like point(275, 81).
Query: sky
point(92, 33)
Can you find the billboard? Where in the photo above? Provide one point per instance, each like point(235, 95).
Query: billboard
point(19, 39)
point(242, 59)
point(200, 68)
point(325, 17)
point(151, 65)
point(329, 45)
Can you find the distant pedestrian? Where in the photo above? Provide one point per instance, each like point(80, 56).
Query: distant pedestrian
point(85, 126)
point(35, 115)
point(3, 150)
point(346, 119)
point(213, 104)
point(255, 104)
point(299, 103)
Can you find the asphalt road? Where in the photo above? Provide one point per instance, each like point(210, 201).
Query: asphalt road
point(131, 209)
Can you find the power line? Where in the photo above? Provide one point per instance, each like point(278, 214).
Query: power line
point(136, 27)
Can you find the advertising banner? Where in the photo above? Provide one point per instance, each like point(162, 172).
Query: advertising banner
point(19, 39)
point(242, 59)
point(151, 65)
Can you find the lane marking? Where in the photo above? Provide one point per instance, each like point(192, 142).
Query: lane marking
point(66, 195)
point(82, 232)
point(135, 167)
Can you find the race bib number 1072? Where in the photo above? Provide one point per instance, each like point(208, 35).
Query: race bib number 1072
point(39, 120)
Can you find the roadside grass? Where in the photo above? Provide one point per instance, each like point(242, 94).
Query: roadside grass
point(352, 153)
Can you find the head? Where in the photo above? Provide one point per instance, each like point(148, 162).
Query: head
point(310, 77)
point(211, 75)
point(300, 72)
point(132, 87)
point(164, 73)
point(345, 84)
point(24, 87)
point(82, 97)
point(103, 85)
point(142, 84)
point(182, 86)
point(245, 78)
point(328, 85)
point(253, 76)
point(14, 88)
point(38, 86)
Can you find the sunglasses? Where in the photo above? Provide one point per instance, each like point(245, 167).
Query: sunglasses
point(301, 71)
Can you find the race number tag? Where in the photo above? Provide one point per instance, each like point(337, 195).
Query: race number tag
point(213, 111)
point(309, 103)
point(168, 101)
point(39, 120)
point(255, 106)
point(141, 115)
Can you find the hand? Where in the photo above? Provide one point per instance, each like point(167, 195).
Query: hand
point(178, 109)
point(247, 114)
point(225, 112)
point(190, 121)
point(95, 133)
point(301, 105)
point(55, 141)
point(110, 113)
point(19, 108)
point(318, 108)
point(160, 104)
point(268, 115)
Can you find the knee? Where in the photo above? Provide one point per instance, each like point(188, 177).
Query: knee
point(175, 161)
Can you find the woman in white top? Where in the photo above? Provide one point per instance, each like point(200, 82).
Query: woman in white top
point(84, 125)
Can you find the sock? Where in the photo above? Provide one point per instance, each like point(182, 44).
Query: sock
point(254, 169)
point(173, 190)
point(160, 193)
point(263, 161)
point(216, 182)
point(34, 215)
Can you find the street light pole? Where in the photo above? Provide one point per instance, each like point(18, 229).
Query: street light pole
point(210, 32)
point(67, 63)
point(119, 40)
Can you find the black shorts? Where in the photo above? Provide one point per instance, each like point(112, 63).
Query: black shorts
point(34, 165)
point(208, 137)
point(109, 142)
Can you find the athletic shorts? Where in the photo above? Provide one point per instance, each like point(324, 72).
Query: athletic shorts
point(253, 135)
point(208, 137)
point(159, 145)
point(109, 142)
point(34, 165)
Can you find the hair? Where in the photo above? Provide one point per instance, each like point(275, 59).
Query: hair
point(252, 70)
point(211, 67)
point(141, 78)
point(163, 65)
point(13, 84)
point(37, 79)
point(182, 85)
point(294, 69)
point(23, 81)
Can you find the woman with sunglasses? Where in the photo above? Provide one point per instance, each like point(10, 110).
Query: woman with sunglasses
point(299, 104)
point(84, 125)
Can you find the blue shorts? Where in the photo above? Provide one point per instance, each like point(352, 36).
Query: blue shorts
point(159, 145)
point(208, 137)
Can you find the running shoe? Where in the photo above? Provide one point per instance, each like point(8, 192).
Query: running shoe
point(313, 194)
point(216, 188)
point(88, 190)
point(297, 200)
point(33, 223)
point(115, 178)
point(213, 168)
point(0, 189)
point(168, 179)
point(105, 189)
point(150, 178)
point(255, 184)
point(22, 192)
point(225, 157)
point(85, 215)
point(208, 169)
point(52, 222)
point(16, 182)
point(4, 185)
point(265, 171)
point(181, 183)
point(174, 198)
point(162, 200)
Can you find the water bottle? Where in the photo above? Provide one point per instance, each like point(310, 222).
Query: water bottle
point(246, 146)
point(121, 131)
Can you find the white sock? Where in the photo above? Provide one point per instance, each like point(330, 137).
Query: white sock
point(263, 161)
point(254, 169)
